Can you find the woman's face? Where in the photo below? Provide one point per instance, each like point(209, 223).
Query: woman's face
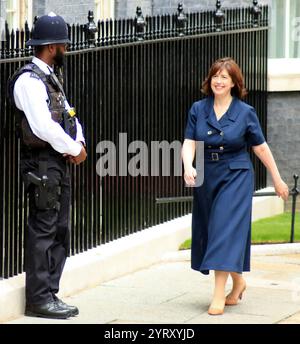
point(221, 83)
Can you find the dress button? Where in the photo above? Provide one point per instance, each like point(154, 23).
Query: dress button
point(221, 148)
point(221, 133)
point(209, 132)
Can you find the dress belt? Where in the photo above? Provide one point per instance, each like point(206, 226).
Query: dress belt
point(221, 155)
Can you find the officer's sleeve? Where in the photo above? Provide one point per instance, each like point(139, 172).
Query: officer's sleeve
point(31, 98)
point(254, 134)
point(79, 135)
point(191, 124)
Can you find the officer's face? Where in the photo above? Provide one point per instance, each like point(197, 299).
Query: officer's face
point(59, 56)
point(221, 83)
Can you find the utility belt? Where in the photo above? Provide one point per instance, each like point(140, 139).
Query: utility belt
point(31, 153)
point(214, 155)
point(46, 194)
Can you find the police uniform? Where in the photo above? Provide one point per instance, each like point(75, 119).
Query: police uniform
point(221, 219)
point(48, 129)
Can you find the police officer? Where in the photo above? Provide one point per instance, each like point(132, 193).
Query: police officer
point(51, 139)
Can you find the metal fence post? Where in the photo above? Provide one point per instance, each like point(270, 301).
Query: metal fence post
point(139, 24)
point(294, 193)
point(90, 30)
point(181, 20)
point(256, 12)
point(219, 16)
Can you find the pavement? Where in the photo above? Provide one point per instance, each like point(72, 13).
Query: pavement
point(170, 292)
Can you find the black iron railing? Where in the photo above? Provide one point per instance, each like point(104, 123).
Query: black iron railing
point(136, 76)
point(119, 31)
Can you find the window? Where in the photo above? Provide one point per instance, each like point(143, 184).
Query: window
point(2, 24)
point(17, 12)
point(285, 29)
point(284, 46)
point(104, 9)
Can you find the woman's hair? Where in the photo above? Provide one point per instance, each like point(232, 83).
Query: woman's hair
point(235, 73)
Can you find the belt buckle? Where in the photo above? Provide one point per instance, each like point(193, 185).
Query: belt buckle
point(214, 156)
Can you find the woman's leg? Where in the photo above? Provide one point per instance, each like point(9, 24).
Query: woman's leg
point(238, 287)
point(218, 302)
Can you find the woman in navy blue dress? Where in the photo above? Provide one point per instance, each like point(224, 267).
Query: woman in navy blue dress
point(221, 219)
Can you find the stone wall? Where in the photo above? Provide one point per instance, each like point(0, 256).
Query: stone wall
point(154, 7)
point(2, 8)
point(283, 134)
point(73, 12)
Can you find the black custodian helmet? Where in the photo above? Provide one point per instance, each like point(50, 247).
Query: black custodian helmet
point(49, 29)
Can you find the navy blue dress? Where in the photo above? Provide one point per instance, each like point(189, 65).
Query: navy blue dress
point(221, 219)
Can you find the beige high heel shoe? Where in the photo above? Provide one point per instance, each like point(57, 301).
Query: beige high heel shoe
point(216, 311)
point(232, 301)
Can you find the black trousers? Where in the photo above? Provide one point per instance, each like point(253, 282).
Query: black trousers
point(48, 235)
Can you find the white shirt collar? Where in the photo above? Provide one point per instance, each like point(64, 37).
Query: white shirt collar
point(42, 65)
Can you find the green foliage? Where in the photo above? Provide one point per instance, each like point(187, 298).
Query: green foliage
point(275, 229)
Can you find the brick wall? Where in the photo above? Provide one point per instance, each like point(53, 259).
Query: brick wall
point(283, 134)
point(73, 12)
point(2, 8)
point(38, 8)
point(127, 8)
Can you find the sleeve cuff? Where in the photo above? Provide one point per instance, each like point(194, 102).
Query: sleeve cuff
point(77, 149)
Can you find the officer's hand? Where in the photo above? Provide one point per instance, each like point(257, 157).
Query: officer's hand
point(281, 189)
point(80, 157)
point(190, 175)
point(69, 158)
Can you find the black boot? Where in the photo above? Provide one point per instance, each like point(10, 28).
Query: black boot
point(73, 309)
point(48, 310)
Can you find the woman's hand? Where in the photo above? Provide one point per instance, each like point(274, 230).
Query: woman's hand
point(265, 155)
point(281, 189)
point(190, 175)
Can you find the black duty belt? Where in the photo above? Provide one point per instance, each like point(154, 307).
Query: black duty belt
point(36, 153)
